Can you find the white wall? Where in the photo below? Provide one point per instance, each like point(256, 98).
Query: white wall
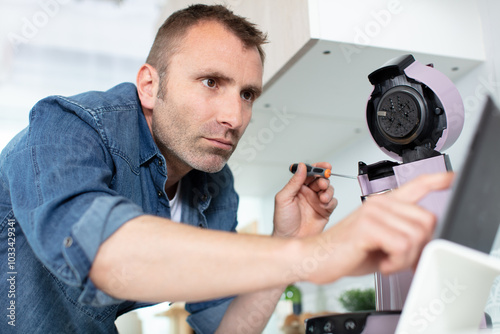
point(67, 47)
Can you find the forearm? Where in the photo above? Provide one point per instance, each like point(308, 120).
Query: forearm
point(153, 259)
point(250, 313)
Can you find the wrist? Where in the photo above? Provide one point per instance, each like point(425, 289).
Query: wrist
point(317, 262)
point(299, 265)
point(277, 233)
point(282, 232)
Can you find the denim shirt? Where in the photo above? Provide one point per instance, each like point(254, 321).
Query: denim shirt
point(83, 167)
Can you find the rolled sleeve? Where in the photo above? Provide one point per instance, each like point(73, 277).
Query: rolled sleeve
point(101, 220)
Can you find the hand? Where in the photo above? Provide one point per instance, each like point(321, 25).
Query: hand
point(386, 234)
point(304, 205)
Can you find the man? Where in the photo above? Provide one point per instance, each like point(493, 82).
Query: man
point(91, 193)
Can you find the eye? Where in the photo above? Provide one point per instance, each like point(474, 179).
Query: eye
point(247, 95)
point(210, 83)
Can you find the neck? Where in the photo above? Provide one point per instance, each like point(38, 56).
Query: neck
point(175, 172)
point(171, 190)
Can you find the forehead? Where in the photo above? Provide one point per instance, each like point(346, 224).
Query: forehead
point(209, 43)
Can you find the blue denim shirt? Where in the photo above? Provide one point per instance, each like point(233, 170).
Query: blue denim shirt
point(83, 167)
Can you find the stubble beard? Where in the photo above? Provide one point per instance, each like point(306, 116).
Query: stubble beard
point(184, 150)
point(187, 153)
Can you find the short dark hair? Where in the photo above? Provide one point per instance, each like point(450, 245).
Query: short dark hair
point(169, 35)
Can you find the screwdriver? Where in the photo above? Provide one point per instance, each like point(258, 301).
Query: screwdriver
point(318, 171)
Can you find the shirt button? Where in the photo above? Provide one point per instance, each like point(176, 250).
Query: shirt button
point(68, 241)
point(201, 225)
point(160, 194)
point(160, 162)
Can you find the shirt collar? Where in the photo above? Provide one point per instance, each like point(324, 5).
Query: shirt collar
point(148, 147)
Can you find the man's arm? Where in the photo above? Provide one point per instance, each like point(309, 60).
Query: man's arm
point(154, 259)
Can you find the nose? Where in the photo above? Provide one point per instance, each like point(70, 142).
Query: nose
point(230, 112)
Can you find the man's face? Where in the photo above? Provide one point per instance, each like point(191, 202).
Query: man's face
point(211, 83)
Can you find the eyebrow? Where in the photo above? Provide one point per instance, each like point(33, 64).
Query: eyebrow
point(257, 90)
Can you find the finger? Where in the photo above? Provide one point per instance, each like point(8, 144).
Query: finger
point(415, 190)
point(401, 250)
point(295, 183)
point(322, 203)
point(319, 184)
point(393, 248)
point(312, 179)
point(331, 205)
point(412, 222)
point(327, 195)
point(402, 215)
point(399, 230)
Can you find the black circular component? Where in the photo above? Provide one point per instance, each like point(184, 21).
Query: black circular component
point(400, 114)
point(405, 117)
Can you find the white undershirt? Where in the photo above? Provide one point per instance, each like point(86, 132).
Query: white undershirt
point(175, 204)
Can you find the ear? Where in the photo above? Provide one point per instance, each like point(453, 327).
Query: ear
point(147, 86)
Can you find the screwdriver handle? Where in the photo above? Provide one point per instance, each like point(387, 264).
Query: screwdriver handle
point(313, 171)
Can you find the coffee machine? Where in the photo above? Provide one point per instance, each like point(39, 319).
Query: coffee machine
point(413, 113)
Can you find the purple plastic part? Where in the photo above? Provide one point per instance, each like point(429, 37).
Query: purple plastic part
point(436, 201)
point(391, 290)
point(446, 91)
point(376, 186)
point(381, 324)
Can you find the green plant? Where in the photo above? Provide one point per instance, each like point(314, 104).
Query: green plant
point(358, 300)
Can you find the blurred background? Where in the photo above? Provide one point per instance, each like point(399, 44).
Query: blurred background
point(316, 89)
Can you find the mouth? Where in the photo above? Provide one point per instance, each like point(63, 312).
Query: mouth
point(221, 143)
